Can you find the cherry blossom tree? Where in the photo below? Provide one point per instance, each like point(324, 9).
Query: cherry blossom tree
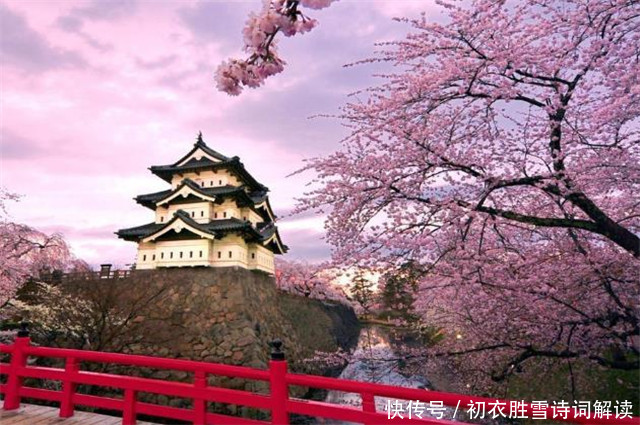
point(309, 280)
point(503, 156)
point(277, 16)
point(26, 252)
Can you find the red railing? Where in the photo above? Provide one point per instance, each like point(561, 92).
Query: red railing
point(201, 393)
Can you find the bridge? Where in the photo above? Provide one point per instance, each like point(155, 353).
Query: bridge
point(277, 405)
point(30, 414)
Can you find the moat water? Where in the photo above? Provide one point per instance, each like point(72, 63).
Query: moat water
point(374, 360)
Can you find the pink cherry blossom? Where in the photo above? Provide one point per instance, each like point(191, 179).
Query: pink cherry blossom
point(226, 78)
point(502, 155)
point(26, 252)
point(277, 16)
point(316, 4)
point(309, 280)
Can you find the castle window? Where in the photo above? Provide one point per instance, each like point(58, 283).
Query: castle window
point(193, 213)
point(215, 215)
point(190, 254)
point(230, 254)
point(201, 213)
point(200, 254)
point(161, 219)
point(224, 214)
point(161, 255)
point(171, 254)
point(144, 257)
point(220, 182)
point(180, 254)
point(219, 254)
point(253, 255)
point(211, 183)
point(202, 184)
point(154, 257)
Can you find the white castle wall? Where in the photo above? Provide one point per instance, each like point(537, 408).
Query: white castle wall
point(207, 179)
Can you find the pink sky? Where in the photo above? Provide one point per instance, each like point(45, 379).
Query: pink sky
point(93, 93)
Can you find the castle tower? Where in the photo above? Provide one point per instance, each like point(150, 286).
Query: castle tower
point(215, 215)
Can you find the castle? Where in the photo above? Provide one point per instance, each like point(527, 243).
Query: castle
point(215, 215)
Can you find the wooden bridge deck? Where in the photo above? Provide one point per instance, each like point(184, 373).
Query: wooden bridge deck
point(31, 414)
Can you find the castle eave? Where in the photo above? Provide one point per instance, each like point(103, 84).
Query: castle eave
point(166, 172)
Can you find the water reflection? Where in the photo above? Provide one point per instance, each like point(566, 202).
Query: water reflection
point(374, 360)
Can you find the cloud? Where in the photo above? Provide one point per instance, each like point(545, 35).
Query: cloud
point(305, 245)
point(290, 216)
point(96, 10)
point(96, 245)
point(100, 10)
point(23, 47)
point(93, 42)
point(74, 232)
point(69, 23)
point(91, 132)
point(15, 146)
point(161, 62)
point(212, 22)
point(187, 78)
point(73, 25)
point(404, 8)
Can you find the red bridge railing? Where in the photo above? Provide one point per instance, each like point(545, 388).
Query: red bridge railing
point(201, 393)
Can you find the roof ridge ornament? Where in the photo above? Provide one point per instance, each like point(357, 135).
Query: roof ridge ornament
point(200, 141)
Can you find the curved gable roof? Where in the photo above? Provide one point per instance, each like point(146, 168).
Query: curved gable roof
point(210, 160)
point(191, 188)
point(213, 229)
point(269, 235)
point(135, 233)
point(213, 194)
point(187, 222)
point(201, 145)
point(232, 165)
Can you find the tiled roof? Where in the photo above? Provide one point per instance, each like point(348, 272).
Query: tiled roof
point(258, 197)
point(149, 199)
point(216, 228)
point(267, 230)
point(202, 145)
point(166, 172)
point(135, 233)
point(226, 224)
